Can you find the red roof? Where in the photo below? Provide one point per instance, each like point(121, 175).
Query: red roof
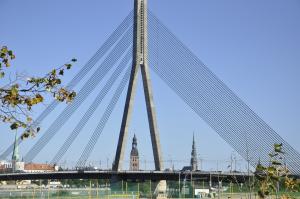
point(35, 166)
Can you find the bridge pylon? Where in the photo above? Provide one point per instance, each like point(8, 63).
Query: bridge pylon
point(140, 62)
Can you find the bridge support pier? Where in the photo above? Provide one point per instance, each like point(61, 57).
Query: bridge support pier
point(161, 190)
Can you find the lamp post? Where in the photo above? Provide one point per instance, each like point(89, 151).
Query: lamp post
point(218, 185)
point(179, 185)
point(184, 185)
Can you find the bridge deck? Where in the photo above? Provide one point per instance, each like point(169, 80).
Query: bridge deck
point(131, 175)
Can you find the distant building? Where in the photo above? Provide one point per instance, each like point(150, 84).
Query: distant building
point(186, 168)
point(17, 164)
point(5, 167)
point(194, 160)
point(134, 156)
point(5, 164)
point(39, 168)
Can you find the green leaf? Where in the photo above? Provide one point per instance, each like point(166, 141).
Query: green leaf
point(39, 98)
point(261, 194)
point(260, 177)
point(25, 135)
point(2, 74)
point(278, 148)
point(271, 169)
point(10, 53)
point(14, 126)
point(68, 66)
point(274, 162)
point(61, 72)
point(58, 81)
point(2, 55)
point(4, 49)
point(267, 192)
point(278, 145)
point(259, 167)
point(272, 155)
point(53, 72)
point(272, 186)
point(29, 119)
point(48, 89)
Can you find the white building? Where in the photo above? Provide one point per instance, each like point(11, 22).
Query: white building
point(5, 164)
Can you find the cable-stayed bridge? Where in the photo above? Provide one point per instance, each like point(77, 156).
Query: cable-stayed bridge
point(141, 40)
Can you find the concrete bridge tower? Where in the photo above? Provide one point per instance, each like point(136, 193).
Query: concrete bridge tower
point(140, 62)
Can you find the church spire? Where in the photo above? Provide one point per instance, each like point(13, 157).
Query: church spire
point(17, 164)
point(134, 142)
point(134, 156)
point(15, 155)
point(194, 161)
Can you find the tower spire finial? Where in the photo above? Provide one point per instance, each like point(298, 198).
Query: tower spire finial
point(134, 156)
point(193, 137)
point(15, 155)
point(194, 161)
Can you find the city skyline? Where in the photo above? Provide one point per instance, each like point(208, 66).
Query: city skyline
point(261, 72)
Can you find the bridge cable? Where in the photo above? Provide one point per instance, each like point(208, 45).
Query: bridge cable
point(193, 104)
point(82, 95)
point(97, 132)
point(176, 90)
point(101, 71)
point(239, 109)
point(88, 114)
point(79, 76)
point(168, 49)
point(180, 73)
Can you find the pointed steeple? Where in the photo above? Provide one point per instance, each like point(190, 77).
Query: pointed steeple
point(16, 155)
point(134, 150)
point(194, 161)
point(134, 156)
point(134, 142)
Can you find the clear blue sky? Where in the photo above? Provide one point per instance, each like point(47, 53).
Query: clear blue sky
point(253, 46)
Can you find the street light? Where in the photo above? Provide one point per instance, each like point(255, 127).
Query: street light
point(184, 180)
